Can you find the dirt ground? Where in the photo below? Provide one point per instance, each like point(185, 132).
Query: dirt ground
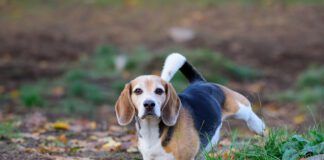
point(279, 40)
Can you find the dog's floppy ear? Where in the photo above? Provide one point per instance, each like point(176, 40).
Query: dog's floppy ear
point(124, 107)
point(171, 107)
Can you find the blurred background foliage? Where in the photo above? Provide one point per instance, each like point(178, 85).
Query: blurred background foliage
point(97, 79)
point(76, 56)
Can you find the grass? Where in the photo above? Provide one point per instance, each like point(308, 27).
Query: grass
point(309, 88)
point(31, 95)
point(8, 130)
point(279, 144)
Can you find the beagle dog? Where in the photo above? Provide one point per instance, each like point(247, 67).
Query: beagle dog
point(180, 126)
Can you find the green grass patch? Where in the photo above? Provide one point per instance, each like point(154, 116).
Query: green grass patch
point(8, 130)
point(32, 95)
point(309, 88)
point(279, 144)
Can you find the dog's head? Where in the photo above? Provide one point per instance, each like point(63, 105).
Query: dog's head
point(148, 97)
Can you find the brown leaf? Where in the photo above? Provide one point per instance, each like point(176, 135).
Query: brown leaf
point(30, 150)
point(50, 149)
point(111, 145)
point(225, 142)
point(61, 126)
point(299, 119)
point(62, 138)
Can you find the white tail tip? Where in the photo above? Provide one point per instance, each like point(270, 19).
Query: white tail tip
point(171, 65)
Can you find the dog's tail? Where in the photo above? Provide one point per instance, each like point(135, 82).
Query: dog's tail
point(176, 61)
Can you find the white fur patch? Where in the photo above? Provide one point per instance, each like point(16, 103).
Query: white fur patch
point(149, 142)
point(214, 139)
point(171, 65)
point(254, 123)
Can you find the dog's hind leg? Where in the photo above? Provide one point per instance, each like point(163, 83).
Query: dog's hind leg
point(239, 107)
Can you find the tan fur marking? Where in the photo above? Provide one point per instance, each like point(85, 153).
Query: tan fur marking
point(185, 140)
point(125, 110)
point(150, 84)
point(230, 106)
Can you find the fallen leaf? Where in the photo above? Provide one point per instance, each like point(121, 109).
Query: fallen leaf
point(30, 150)
point(50, 138)
point(225, 142)
point(14, 94)
point(228, 155)
point(61, 126)
point(62, 138)
point(93, 125)
point(299, 119)
point(74, 149)
point(50, 149)
point(93, 138)
point(132, 150)
point(111, 145)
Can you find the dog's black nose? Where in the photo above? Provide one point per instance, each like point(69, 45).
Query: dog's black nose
point(149, 105)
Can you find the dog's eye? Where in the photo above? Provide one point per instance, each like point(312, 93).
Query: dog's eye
point(159, 91)
point(138, 91)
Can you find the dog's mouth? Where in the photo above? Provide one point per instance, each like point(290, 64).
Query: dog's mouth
point(149, 115)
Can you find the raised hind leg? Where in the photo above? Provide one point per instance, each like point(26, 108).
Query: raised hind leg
point(239, 107)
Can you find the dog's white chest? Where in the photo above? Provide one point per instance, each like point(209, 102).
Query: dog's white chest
point(149, 143)
point(153, 151)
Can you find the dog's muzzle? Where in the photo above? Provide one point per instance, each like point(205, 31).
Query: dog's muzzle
point(149, 109)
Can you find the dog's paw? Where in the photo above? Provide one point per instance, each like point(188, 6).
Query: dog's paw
point(256, 125)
